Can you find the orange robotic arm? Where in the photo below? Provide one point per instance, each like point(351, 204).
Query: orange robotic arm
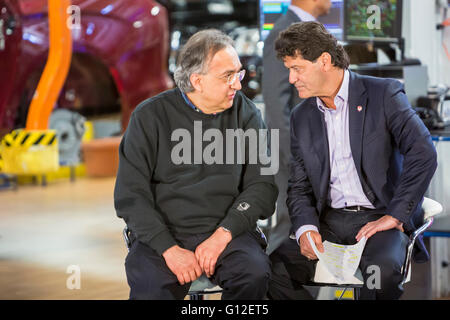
point(56, 68)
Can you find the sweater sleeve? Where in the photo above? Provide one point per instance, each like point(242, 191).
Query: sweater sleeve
point(258, 191)
point(133, 197)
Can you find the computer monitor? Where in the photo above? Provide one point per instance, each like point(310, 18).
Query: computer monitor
point(334, 20)
point(271, 10)
point(373, 21)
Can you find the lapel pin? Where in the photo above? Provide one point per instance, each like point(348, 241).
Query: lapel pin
point(359, 108)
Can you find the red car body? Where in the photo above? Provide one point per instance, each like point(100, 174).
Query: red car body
point(119, 57)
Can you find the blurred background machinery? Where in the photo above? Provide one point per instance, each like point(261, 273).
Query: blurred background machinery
point(119, 58)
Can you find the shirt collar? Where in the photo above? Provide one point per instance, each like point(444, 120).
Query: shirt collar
point(189, 102)
point(342, 93)
point(302, 14)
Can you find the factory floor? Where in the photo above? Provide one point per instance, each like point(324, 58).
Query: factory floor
point(56, 238)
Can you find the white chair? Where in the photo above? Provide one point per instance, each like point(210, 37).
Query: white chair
point(324, 279)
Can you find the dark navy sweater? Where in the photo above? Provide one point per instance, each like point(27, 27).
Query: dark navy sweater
point(163, 189)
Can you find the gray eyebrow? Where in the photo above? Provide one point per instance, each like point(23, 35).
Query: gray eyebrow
point(228, 72)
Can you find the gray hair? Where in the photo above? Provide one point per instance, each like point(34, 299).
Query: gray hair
point(196, 53)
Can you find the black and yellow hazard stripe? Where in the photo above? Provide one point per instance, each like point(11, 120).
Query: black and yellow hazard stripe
point(30, 152)
point(26, 139)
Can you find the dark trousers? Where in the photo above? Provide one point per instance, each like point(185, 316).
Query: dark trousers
point(242, 270)
point(384, 251)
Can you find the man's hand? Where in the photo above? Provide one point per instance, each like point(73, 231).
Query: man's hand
point(305, 246)
point(182, 263)
point(386, 222)
point(209, 250)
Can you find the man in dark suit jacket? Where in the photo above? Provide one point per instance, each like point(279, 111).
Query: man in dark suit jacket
point(361, 163)
point(280, 97)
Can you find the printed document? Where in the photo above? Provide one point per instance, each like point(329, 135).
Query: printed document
point(338, 263)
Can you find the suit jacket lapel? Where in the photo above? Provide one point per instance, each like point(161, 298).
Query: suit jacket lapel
point(357, 104)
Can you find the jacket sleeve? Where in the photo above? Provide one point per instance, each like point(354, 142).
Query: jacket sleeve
point(419, 155)
point(133, 197)
point(301, 200)
point(258, 192)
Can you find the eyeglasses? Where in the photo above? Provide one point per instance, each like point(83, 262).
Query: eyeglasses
point(232, 77)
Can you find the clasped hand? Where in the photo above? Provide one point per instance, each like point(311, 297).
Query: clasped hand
point(188, 266)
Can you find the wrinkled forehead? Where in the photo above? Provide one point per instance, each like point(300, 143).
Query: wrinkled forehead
point(224, 60)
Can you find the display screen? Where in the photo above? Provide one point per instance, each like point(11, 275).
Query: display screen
point(372, 20)
point(334, 20)
point(271, 10)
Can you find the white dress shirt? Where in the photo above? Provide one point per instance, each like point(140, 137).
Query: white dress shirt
point(345, 189)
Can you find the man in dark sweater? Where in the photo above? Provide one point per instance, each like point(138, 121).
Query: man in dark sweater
point(190, 188)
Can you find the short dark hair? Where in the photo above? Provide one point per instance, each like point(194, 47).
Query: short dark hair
point(309, 40)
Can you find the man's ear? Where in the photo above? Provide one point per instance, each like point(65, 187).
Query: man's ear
point(196, 81)
point(325, 61)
